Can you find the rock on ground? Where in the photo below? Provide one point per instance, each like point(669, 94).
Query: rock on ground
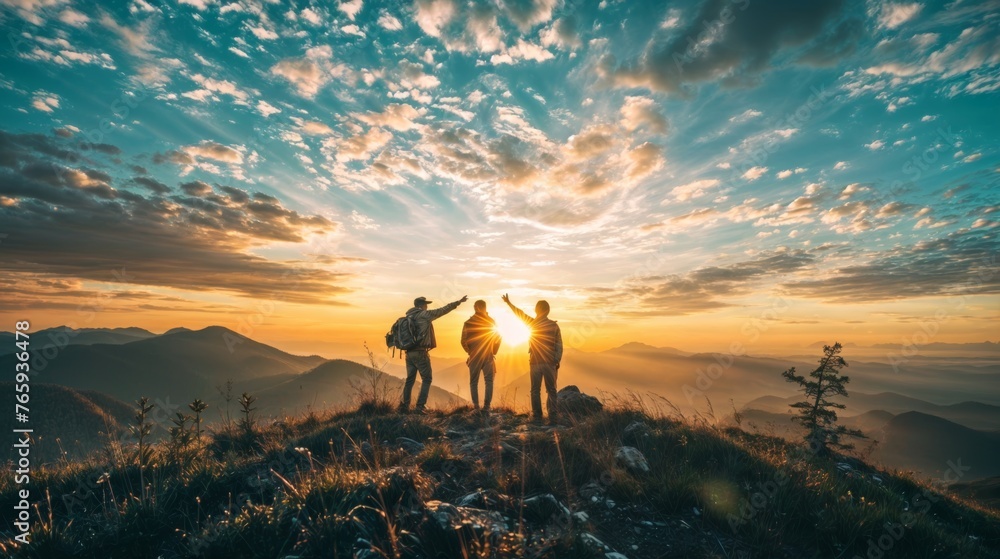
point(574, 402)
point(632, 459)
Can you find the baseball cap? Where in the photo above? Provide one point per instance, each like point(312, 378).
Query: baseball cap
point(421, 301)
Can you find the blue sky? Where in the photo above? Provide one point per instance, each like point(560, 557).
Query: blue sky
point(655, 168)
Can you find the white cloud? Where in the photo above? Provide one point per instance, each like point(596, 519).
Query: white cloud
point(350, 8)
point(358, 147)
point(561, 34)
point(693, 190)
point(362, 221)
point(852, 189)
point(136, 40)
point(32, 10)
point(754, 173)
point(390, 22)
point(69, 16)
point(293, 138)
point(672, 19)
point(972, 158)
point(141, 6)
point(412, 75)
point(895, 14)
point(398, 116)
point(784, 174)
point(457, 111)
point(313, 128)
point(353, 29)
point(200, 95)
point(310, 15)
point(433, 15)
point(238, 52)
point(200, 5)
point(522, 50)
point(745, 116)
point(215, 151)
point(263, 33)
point(266, 109)
point(875, 145)
point(841, 165)
point(45, 102)
point(312, 71)
point(642, 111)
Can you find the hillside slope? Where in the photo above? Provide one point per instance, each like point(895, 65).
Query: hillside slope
point(930, 445)
point(80, 420)
point(337, 383)
point(373, 483)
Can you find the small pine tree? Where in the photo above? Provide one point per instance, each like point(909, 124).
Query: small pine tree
point(141, 430)
point(197, 407)
point(246, 407)
point(817, 413)
point(180, 437)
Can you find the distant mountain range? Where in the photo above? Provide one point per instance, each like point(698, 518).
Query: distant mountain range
point(986, 346)
point(61, 336)
point(179, 367)
point(974, 415)
point(174, 368)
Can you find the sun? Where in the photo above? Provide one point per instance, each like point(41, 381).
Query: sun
point(514, 331)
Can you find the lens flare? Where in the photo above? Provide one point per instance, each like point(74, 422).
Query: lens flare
point(514, 331)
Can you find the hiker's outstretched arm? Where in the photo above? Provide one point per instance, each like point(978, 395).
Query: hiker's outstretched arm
point(439, 312)
point(517, 312)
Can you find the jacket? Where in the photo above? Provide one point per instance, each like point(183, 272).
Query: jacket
point(545, 344)
point(422, 323)
point(480, 338)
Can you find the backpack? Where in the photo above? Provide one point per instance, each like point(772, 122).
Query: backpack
point(402, 335)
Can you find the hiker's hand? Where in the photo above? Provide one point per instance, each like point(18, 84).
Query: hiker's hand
point(506, 298)
point(463, 299)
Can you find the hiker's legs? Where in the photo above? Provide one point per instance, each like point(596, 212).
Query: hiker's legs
point(411, 377)
point(424, 368)
point(536, 390)
point(489, 372)
point(474, 369)
point(550, 373)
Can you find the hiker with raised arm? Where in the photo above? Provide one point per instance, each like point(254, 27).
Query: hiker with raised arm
point(545, 349)
point(481, 341)
point(414, 334)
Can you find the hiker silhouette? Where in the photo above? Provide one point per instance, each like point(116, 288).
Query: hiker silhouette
point(545, 349)
point(481, 341)
point(418, 359)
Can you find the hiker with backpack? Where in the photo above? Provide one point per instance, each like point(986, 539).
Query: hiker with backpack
point(414, 334)
point(545, 349)
point(481, 341)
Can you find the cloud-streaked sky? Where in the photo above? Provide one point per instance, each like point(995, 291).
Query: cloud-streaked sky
point(678, 173)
